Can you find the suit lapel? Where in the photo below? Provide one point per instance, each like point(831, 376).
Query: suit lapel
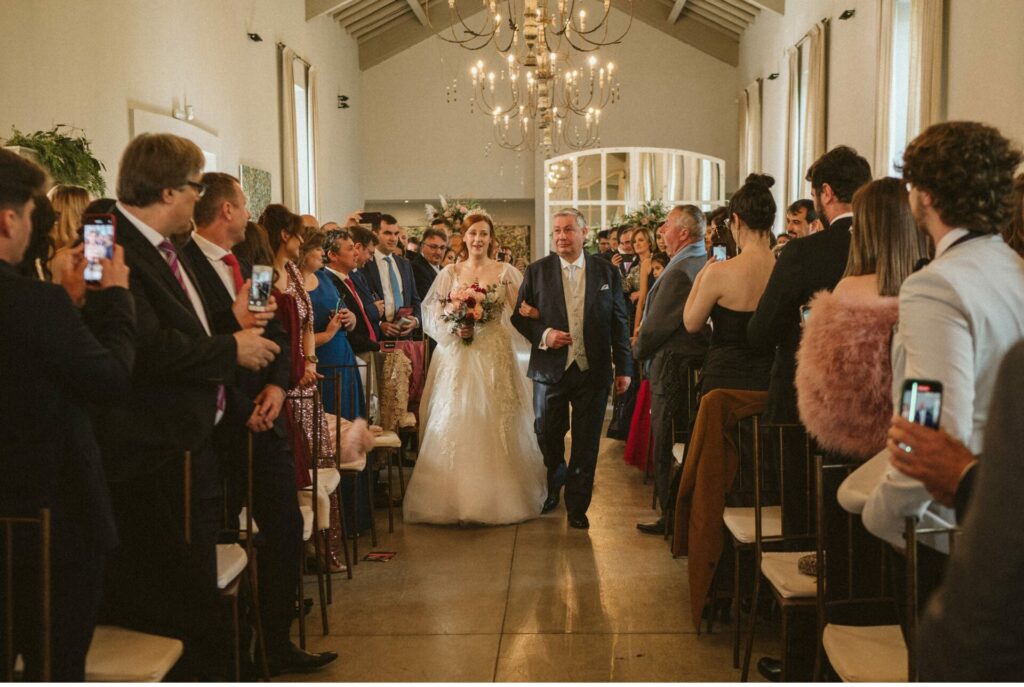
point(129, 236)
point(593, 283)
point(558, 286)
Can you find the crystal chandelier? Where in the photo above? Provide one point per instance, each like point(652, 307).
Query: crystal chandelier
point(542, 93)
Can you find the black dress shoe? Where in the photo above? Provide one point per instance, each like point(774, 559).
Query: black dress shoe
point(550, 503)
point(579, 522)
point(652, 527)
point(292, 659)
point(770, 668)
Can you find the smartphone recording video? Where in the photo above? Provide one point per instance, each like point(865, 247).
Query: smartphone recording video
point(98, 236)
point(922, 402)
point(719, 252)
point(260, 287)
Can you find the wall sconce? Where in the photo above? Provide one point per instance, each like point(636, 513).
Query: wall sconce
point(343, 102)
point(255, 37)
point(773, 76)
point(847, 14)
point(185, 114)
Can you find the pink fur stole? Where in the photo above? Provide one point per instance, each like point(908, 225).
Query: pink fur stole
point(844, 374)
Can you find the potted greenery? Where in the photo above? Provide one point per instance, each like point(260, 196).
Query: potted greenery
point(68, 157)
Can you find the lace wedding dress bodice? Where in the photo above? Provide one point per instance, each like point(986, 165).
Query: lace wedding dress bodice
point(478, 460)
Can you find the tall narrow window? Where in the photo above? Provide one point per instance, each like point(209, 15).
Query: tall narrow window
point(899, 89)
point(304, 134)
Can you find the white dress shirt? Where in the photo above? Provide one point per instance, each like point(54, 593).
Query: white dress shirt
point(215, 254)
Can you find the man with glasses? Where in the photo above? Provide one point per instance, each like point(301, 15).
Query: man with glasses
point(426, 265)
point(163, 579)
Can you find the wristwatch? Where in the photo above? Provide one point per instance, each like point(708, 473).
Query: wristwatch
point(312, 358)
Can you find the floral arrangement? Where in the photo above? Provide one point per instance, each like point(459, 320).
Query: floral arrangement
point(468, 306)
point(452, 210)
point(650, 215)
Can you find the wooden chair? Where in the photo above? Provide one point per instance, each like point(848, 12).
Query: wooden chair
point(791, 590)
point(311, 507)
point(41, 523)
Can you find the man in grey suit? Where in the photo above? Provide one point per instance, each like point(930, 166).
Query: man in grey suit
point(959, 315)
point(664, 341)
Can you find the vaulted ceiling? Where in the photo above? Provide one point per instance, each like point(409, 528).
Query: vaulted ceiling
point(712, 26)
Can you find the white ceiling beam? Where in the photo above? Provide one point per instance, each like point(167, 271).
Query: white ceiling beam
point(318, 8)
point(417, 9)
point(390, 26)
point(360, 10)
point(703, 21)
point(718, 16)
point(677, 9)
point(733, 10)
point(376, 19)
point(777, 6)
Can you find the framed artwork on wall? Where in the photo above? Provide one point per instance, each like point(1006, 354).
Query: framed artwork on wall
point(256, 186)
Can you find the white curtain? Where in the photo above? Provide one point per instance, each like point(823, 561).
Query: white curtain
point(883, 86)
point(817, 101)
point(314, 141)
point(750, 134)
point(926, 65)
point(289, 157)
point(793, 172)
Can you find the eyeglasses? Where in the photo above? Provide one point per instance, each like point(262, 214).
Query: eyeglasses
point(434, 246)
point(199, 188)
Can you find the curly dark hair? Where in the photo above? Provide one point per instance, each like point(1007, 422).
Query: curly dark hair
point(1013, 234)
point(967, 168)
point(843, 169)
point(753, 202)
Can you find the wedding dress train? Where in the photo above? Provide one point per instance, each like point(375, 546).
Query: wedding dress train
point(478, 461)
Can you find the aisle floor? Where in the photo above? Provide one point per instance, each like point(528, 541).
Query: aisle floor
point(532, 602)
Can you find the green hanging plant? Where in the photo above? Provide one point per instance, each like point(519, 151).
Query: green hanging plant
point(68, 157)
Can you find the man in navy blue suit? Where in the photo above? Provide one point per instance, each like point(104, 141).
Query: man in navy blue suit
point(391, 277)
point(581, 329)
point(366, 243)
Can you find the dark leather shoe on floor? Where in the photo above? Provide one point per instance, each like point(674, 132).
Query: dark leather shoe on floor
point(579, 522)
point(295, 660)
point(550, 503)
point(652, 527)
point(770, 668)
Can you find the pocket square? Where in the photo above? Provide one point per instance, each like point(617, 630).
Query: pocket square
point(604, 287)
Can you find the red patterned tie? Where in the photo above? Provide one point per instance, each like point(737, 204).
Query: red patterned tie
point(231, 261)
point(359, 301)
point(171, 256)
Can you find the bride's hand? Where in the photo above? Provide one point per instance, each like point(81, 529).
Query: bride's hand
point(466, 332)
point(528, 311)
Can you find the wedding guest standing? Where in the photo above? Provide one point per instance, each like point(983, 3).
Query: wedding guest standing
point(158, 580)
point(426, 264)
point(340, 261)
point(391, 277)
point(53, 365)
point(70, 203)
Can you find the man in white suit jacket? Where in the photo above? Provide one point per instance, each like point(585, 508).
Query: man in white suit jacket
point(961, 313)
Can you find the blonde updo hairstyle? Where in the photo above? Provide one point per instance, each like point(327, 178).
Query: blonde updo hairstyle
point(70, 202)
point(474, 218)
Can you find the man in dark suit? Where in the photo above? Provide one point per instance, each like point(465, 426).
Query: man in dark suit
point(426, 264)
point(664, 341)
point(255, 402)
point(581, 328)
point(163, 579)
point(52, 365)
point(806, 266)
point(340, 254)
point(365, 242)
point(391, 277)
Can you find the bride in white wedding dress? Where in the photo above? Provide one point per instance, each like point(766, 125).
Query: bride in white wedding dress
point(478, 460)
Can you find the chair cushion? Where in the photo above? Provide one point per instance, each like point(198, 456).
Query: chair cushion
point(387, 440)
point(121, 655)
point(327, 479)
point(241, 522)
point(678, 452)
point(781, 568)
point(875, 653)
point(231, 561)
point(740, 523)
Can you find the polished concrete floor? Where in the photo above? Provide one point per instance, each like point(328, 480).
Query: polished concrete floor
point(537, 602)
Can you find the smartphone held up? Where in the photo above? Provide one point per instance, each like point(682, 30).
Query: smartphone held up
point(98, 234)
point(259, 288)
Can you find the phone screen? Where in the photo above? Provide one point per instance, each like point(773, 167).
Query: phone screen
point(719, 252)
point(805, 312)
point(922, 402)
point(261, 285)
point(98, 237)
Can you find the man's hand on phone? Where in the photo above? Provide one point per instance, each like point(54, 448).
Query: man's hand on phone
point(246, 318)
point(253, 351)
point(353, 219)
point(115, 272)
point(935, 459)
point(334, 324)
point(408, 328)
point(558, 339)
point(73, 278)
point(617, 259)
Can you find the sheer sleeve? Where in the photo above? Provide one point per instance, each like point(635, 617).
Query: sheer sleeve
point(432, 307)
point(512, 279)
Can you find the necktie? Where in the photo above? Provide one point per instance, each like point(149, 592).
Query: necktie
point(170, 254)
point(231, 261)
point(396, 285)
point(362, 311)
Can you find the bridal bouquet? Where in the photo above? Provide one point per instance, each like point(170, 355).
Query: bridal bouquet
point(468, 306)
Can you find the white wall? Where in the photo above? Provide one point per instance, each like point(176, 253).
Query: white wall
point(985, 63)
point(413, 213)
point(85, 63)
